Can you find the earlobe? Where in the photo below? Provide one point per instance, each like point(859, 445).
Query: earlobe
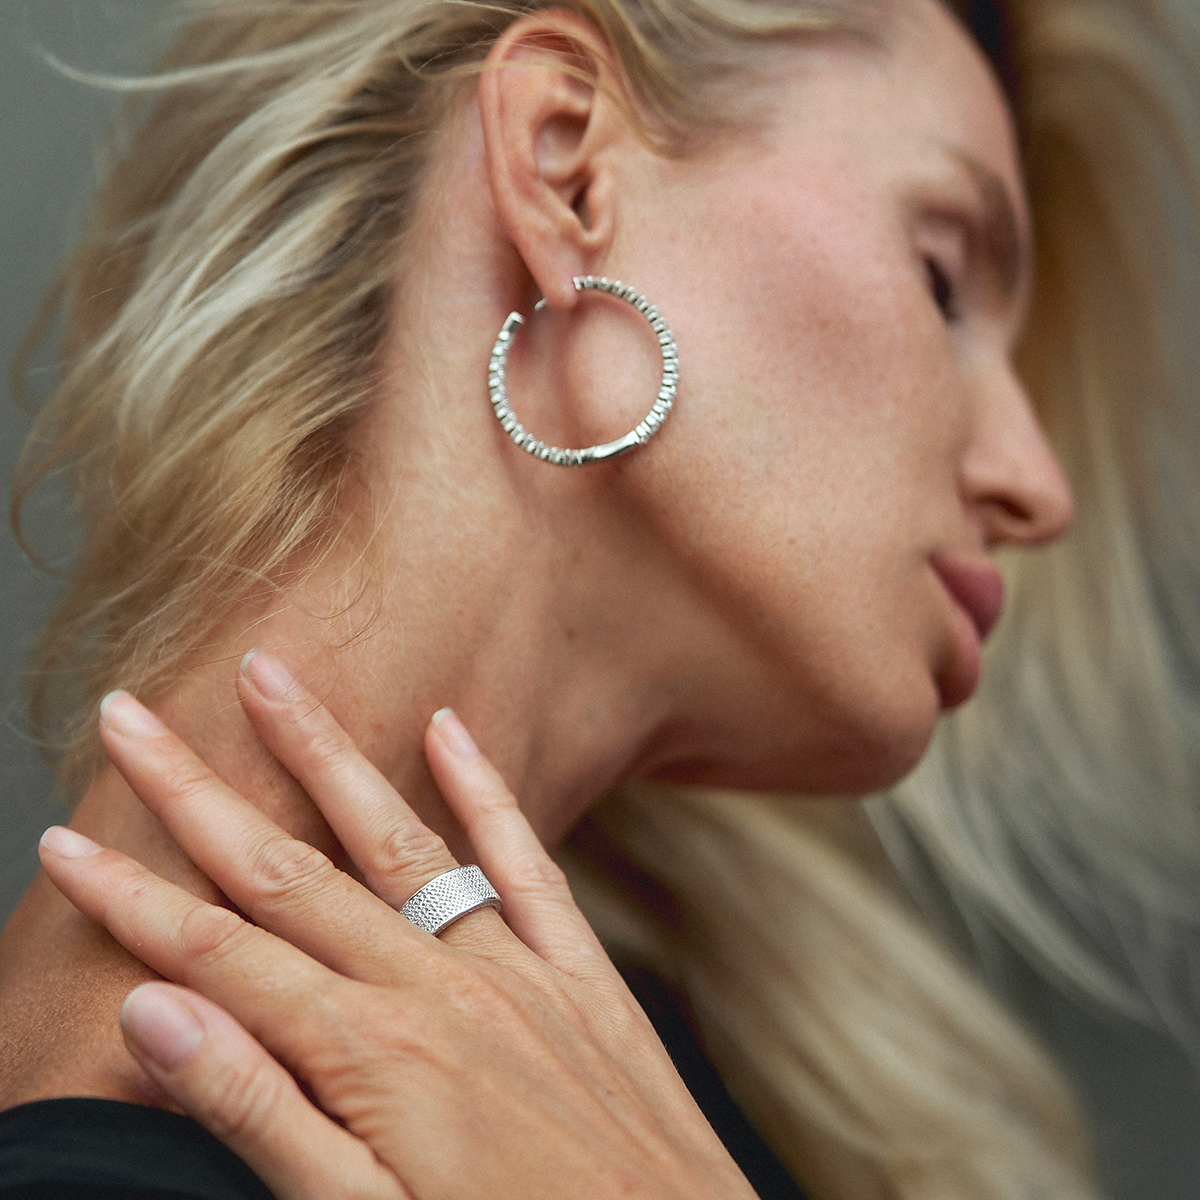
point(549, 121)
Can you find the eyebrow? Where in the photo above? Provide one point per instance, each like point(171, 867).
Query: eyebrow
point(1005, 245)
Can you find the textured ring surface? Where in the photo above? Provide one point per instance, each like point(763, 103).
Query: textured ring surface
point(449, 896)
point(641, 433)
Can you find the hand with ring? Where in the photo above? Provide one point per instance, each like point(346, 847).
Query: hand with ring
point(340, 1049)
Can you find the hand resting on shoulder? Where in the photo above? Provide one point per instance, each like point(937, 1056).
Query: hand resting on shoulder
point(339, 1049)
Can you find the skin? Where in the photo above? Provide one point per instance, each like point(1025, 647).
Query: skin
point(757, 597)
point(365, 1009)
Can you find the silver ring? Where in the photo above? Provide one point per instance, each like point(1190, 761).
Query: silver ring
point(640, 434)
point(449, 896)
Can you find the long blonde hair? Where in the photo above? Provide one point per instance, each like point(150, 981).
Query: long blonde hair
point(1064, 801)
point(224, 308)
point(1060, 806)
point(223, 316)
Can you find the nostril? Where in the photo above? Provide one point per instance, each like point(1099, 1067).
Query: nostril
point(1026, 516)
point(1012, 477)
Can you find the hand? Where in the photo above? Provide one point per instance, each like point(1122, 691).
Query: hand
point(500, 1060)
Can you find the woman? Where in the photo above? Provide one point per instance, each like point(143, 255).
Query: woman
point(275, 415)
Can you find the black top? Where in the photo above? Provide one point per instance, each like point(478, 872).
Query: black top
point(670, 1015)
point(106, 1150)
point(78, 1149)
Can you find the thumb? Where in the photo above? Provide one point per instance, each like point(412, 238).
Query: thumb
point(224, 1079)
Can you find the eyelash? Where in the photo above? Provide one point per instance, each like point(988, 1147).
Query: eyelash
point(942, 287)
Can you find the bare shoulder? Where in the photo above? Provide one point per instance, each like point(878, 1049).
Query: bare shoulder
point(62, 982)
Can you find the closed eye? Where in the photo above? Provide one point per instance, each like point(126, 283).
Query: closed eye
point(942, 289)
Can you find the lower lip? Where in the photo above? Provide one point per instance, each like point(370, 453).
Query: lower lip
point(959, 677)
point(977, 592)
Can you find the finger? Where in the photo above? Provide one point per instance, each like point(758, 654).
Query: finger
point(284, 884)
point(267, 984)
point(393, 848)
point(538, 902)
point(224, 1079)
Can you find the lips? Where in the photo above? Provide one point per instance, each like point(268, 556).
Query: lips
point(976, 587)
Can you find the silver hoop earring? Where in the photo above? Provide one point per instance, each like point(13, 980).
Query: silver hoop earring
point(641, 433)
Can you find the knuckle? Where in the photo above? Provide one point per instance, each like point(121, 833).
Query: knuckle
point(185, 778)
point(541, 873)
point(208, 933)
point(281, 864)
point(537, 878)
point(507, 1004)
point(326, 746)
point(409, 853)
point(242, 1102)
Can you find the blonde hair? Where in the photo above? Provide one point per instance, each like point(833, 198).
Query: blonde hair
point(1059, 807)
point(224, 309)
point(1063, 802)
point(223, 316)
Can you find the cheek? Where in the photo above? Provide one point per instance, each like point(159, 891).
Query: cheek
point(822, 361)
point(822, 420)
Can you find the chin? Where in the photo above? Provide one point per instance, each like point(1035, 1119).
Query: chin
point(883, 770)
point(876, 743)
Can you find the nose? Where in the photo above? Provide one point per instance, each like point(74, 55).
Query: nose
point(1010, 477)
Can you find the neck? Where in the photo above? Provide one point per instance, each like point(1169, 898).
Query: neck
point(526, 596)
point(524, 655)
point(533, 654)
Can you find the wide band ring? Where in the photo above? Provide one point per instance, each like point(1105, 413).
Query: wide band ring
point(449, 896)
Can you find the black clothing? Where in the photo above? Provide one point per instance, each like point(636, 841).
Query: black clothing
point(106, 1150)
point(76, 1149)
point(668, 1013)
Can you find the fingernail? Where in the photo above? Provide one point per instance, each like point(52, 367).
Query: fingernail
point(66, 843)
point(454, 733)
point(269, 675)
point(160, 1024)
point(121, 712)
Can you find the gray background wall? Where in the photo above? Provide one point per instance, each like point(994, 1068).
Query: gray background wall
point(47, 123)
point(1142, 1095)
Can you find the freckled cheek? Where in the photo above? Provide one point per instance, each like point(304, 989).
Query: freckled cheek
point(816, 347)
point(815, 375)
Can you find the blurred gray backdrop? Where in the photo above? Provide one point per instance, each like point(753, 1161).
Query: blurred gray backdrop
point(1141, 1094)
point(47, 126)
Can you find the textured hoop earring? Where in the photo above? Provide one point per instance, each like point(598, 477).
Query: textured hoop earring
point(641, 433)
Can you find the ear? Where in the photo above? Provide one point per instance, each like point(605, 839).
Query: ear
point(550, 119)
